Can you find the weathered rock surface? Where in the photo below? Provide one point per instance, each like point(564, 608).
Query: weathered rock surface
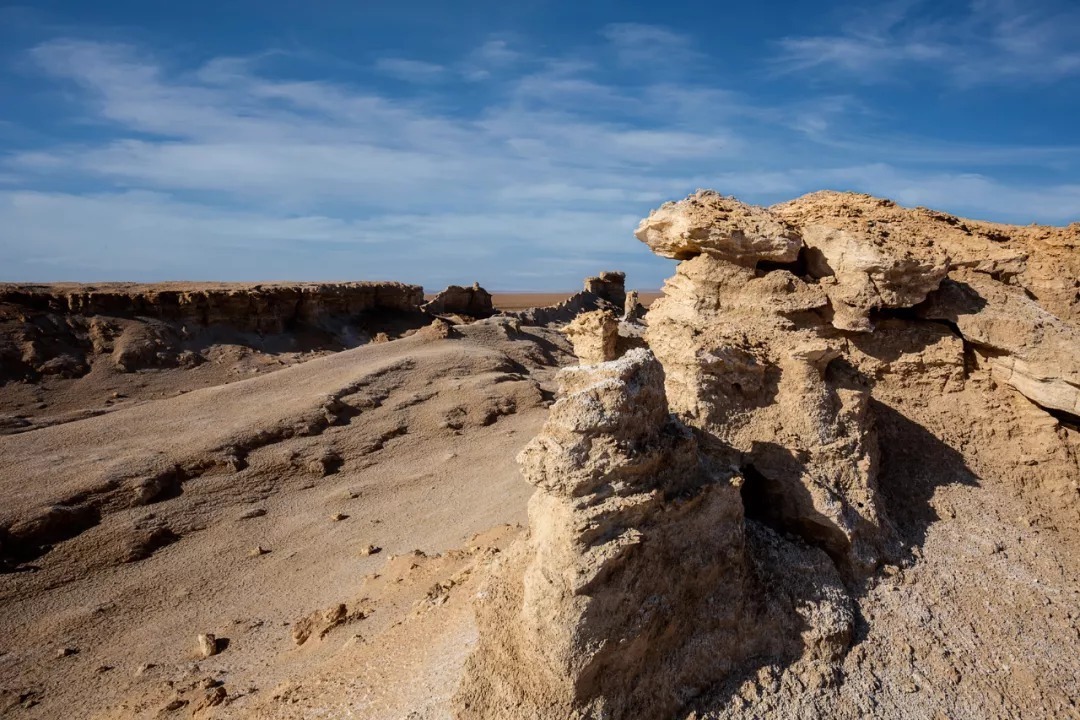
point(610, 285)
point(864, 273)
point(594, 335)
point(472, 301)
point(1044, 261)
point(265, 307)
point(605, 291)
point(708, 222)
point(627, 595)
point(1025, 346)
point(746, 358)
point(856, 372)
point(63, 330)
point(633, 310)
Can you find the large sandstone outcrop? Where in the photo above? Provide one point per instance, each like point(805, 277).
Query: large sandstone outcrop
point(633, 591)
point(831, 365)
point(747, 360)
point(708, 222)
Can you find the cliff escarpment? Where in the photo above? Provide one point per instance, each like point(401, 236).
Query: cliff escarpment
point(63, 329)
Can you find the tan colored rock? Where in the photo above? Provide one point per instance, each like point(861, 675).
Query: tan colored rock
point(609, 285)
point(1025, 346)
point(613, 606)
point(472, 301)
point(633, 310)
point(1043, 260)
point(861, 274)
point(207, 645)
point(319, 623)
point(605, 291)
point(594, 336)
point(745, 359)
point(707, 221)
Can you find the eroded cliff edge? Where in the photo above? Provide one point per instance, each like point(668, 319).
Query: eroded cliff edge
point(743, 520)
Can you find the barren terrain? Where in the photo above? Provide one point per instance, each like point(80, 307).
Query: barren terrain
point(834, 471)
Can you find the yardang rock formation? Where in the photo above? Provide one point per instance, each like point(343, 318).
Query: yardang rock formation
point(713, 527)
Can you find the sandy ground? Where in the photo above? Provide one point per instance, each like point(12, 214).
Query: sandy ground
point(240, 509)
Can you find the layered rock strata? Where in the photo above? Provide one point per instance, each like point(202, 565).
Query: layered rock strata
point(263, 308)
point(62, 330)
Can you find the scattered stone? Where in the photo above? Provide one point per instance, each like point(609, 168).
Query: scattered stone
point(252, 513)
point(175, 704)
point(66, 652)
point(370, 550)
point(338, 517)
point(144, 669)
point(214, 697)
point(208, 645)
point(257, 551)
point(319, 623)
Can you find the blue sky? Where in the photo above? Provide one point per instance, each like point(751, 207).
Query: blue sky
point(513, 143)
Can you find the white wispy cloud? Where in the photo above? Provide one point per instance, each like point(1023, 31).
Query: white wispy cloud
point(644, 47)
point(410, 70)
point(991, 42)
point(228, 170)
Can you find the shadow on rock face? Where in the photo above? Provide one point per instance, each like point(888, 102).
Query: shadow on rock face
point(914, 463)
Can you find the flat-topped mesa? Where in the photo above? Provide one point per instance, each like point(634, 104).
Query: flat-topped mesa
point(627, 595)
point(253, 307)
point(472, 301)
point(64, 329)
